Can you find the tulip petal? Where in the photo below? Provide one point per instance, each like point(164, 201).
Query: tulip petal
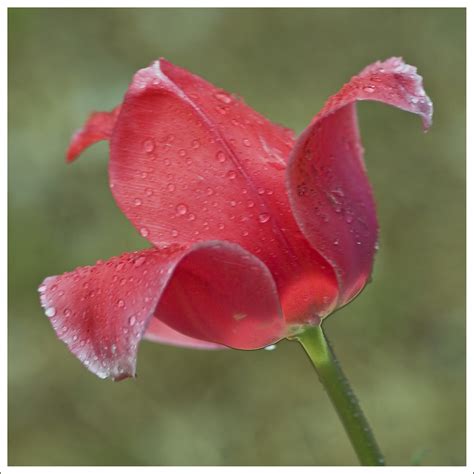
point(329, 190)
point(189, 162)
point(214, 292)
point(98, 126)
point(157, 331)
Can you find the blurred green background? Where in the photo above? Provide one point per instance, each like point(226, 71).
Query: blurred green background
point(401, 342)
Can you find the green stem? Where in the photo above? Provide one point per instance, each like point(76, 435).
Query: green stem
point(337, 387)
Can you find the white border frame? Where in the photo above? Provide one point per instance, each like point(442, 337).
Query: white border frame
point(4, 468)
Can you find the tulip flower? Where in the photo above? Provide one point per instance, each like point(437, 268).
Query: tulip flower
point(257, 235)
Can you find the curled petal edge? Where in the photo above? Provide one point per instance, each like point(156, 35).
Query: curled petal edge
point(229, 299)
point(329, 191)
point(99, 126)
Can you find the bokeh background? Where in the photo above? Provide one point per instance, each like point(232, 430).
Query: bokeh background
point(401, 342)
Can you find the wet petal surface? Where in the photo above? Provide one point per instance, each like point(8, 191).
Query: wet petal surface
point(329, 190)
point(190, 162)
point(214, 292)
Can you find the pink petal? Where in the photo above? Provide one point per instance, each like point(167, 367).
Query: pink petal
point(329, 190)
point(98, 127)
point(214, 292)
point(189, 162)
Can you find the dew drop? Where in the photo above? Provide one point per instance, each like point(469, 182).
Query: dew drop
point(67, 312)
point(246, 142)
point(336, 242)
point(144, 232)
point(149, 192)
point(171, 187)
point(261, 191)
point(140, 261)
point(182, 152)
point(223, 98)
point(209, 191)
point(50, 312)
point(196, 144)
point(250, 203)
point(369, 89)
point(120, 303)
point(231, 174)
point(264, 217)
point(148, 145)
point(132, 320)
point(181, 209)
point(42, 288)
point(191, 217)
point(277, 165)
point(239, 316)
point(137, 202)
point(220, 156)
point(174, 233)
point(271, 347)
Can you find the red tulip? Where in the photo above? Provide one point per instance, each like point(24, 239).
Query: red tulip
point(256, 234)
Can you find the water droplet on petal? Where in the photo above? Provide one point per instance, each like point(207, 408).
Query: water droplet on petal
point(250, 203)
point(174, 233)
point(148, 145)
point(261, 191)
point(182, 152)
point(120, 303)
point(140, 261)
point(246, 142)
point(196, 144)
point(336, 242)
point(144, 232)
point(220, 156)
point(137, 202)
point(181, 209)
point(231, 174)
point(278, 165)
point(223, 97)
point(264, 217)
point(132, 320)
point(149, 192)
point(271, 347)
point(171, 187)
point(239, 316)
point(191, 217)
point(369, 89)
point(50, 312)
